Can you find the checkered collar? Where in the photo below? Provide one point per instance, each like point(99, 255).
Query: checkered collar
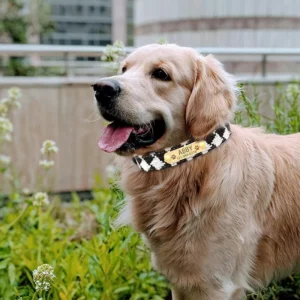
point(186, 151)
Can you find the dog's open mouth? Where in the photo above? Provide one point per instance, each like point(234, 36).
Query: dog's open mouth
point(122, 137)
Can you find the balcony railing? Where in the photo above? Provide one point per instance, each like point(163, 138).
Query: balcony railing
point(65, 57)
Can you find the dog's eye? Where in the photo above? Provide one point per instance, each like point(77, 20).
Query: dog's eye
point(124, 69)
point(161, 74)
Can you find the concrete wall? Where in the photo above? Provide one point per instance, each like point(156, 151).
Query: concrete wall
point(220, 23)
point(209, 23)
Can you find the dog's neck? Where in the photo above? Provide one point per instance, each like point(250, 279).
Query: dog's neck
point(169, 194)
point(156, 201)
point(183, 152)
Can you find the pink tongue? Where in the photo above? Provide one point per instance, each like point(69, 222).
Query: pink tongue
point(113, 138)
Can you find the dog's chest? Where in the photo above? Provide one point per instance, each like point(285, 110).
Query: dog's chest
point(185, 232)
point(186, 254)
point(187, 237)
point(180, 240)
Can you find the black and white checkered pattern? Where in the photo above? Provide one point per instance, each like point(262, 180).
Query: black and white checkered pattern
point(155, 160)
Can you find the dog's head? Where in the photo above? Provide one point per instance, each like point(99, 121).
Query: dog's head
point(163, 95)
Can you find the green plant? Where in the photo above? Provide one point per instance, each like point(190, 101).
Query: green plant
point(91, 259)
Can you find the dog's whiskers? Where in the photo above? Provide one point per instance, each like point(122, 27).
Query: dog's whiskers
point(88, 120)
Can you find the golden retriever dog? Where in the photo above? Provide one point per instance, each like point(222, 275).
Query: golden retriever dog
point(225, 222)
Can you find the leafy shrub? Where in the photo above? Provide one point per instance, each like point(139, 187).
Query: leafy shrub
point(91, 259)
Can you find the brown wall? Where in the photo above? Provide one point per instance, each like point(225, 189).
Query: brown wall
point(64, 114)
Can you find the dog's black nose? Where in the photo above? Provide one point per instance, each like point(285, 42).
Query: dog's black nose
point(106, 91)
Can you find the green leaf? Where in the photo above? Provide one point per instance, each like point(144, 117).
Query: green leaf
point(12, 273)
point(122, 289)
point(4, 263)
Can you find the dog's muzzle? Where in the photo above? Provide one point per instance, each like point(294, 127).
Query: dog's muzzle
point(106, 93)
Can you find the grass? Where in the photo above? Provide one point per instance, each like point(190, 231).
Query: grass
point(91, 258)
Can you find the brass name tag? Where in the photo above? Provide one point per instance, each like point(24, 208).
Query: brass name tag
point(184, 152)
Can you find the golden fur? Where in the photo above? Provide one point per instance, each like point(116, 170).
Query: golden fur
point(223, 223)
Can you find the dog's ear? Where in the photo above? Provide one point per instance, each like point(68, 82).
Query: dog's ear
point(212, 99)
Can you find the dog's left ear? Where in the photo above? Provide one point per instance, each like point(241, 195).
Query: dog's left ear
point(212, 99)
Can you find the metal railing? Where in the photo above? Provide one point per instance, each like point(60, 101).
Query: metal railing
point(23, 50)
point(68, 60)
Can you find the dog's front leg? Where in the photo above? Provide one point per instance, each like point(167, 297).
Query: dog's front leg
point(210, 294)
point(239, 295)
point(196, 294)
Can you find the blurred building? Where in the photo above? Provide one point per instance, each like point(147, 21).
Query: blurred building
point(90, 22)
point(219, 23)
point(230, 23)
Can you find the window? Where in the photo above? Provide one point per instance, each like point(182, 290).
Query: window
point(55, 9)
point(130, 11)
point(69, 10)
point(104, 42)
point(76, 42)
point(61, 30)
point(130, 29)
point(79, 9)
point(103, 28)
point(91, 9)
point(104, 10)
point(130, 41)
point(62, 10)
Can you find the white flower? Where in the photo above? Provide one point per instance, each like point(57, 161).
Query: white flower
point(293, 91)
point(43, 276)
point(5, 160)
point(162, 41)
point(40, 199)
point(6, 127)
point(14, 93)
point(113, 52)
point(111, 171)
point(5, 101)
point(26, 191)
point(47, 164)
point(6, 137)
point(114, 56)
point(17, 104)
point(8, 175)
point(48, 147)
point(3, 109)
point(118, 44)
